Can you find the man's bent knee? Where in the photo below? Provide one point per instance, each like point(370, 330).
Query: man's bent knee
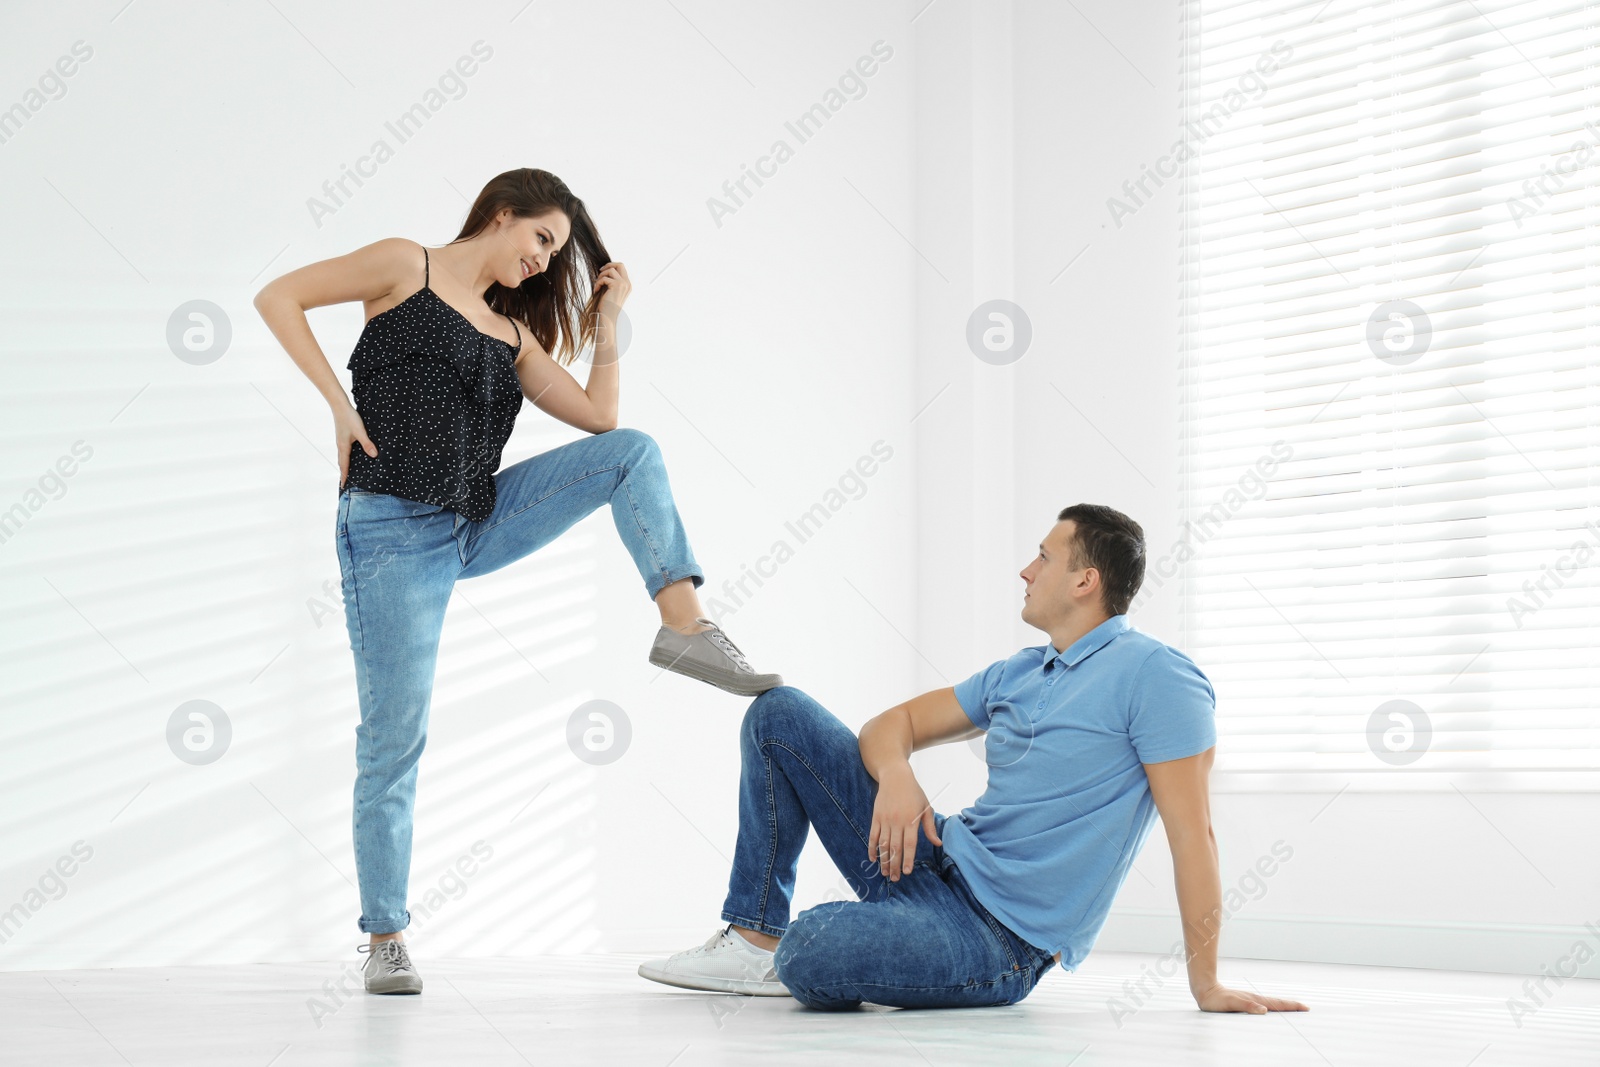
point(776, 707)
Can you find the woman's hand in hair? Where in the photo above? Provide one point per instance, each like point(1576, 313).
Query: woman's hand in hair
point(615, 286)
point(348, 427)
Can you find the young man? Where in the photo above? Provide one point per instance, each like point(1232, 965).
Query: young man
point(1087, 739)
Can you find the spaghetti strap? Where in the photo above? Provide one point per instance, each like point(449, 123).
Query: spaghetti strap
point(514, 326)
point(424, 267)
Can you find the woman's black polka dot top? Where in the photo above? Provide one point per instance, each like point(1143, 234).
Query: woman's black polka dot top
point(438, 398)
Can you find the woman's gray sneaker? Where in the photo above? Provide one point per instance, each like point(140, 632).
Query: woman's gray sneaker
point(389, 968)
point(710, 657)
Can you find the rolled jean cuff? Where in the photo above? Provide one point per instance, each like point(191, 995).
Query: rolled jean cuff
point(751, 924)
point(663, 578)
point(391, 926)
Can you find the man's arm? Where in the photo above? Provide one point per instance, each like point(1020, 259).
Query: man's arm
point(901, 807)
point(1179, 788)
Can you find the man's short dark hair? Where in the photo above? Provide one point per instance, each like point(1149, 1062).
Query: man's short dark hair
point(1113, 544)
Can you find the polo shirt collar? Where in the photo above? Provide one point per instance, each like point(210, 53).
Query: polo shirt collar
point(1088, 644)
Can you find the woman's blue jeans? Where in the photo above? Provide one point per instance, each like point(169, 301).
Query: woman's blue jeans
point(921, 942)
point(400, 559)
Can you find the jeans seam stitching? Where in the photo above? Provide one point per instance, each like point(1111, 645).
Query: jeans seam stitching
point(988, 983)
point(787, 747)
point(644, 531)
point(772, 828)
point(995, 928)
point(362, 726)
point(752, 924)
point(355, 599)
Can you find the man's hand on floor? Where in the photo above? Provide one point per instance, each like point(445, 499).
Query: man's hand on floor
point(1220, 998)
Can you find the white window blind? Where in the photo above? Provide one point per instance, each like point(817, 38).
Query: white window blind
point(1390, 390)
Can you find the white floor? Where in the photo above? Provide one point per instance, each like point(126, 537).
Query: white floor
point(595, 1009)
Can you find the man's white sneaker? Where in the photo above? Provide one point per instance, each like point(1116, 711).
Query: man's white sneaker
point(726, 963)
point(389, 968)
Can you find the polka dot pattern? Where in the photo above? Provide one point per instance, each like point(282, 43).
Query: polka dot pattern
point(439, 398)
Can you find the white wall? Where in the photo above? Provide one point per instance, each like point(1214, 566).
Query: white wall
point(187, 558)
point(1498, 881)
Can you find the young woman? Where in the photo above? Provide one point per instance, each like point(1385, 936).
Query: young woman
point(455, 338)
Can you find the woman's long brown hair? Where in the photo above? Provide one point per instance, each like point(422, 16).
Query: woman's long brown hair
point(548, 302)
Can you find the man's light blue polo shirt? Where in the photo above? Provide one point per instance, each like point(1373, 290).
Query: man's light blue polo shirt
point(1068, 805)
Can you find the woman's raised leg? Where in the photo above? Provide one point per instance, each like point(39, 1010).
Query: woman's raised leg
point(543, 496)
point(539, 498)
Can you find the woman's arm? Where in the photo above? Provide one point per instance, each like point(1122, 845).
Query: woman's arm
point(368, 274)
point(553, 390)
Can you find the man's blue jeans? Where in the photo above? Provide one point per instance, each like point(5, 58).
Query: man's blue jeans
point(400, 559)
point(921, 942)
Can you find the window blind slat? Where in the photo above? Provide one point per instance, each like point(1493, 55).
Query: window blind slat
point(1389, 387)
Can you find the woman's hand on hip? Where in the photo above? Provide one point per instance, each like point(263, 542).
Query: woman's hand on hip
point(348, 427)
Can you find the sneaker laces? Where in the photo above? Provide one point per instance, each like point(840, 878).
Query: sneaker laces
point(720, 639)
point(391, 952)
point(715, 940)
